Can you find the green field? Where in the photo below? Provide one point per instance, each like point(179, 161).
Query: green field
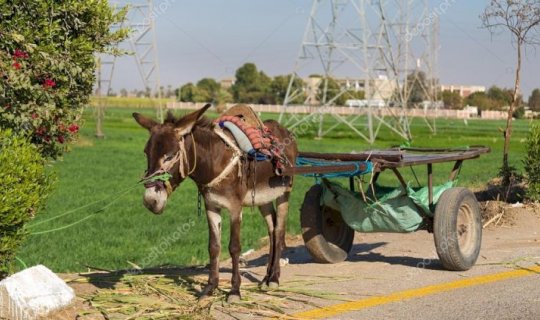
point(126, 232)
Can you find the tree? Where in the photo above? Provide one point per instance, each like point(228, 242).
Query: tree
point(223, 96)
point(534, 100)
point(452, 99)
point(208, 89)
point(251, 86)
point(185, 93)
point(333, 93)
point(417, 86)
point(123, 92)
point(47, 65)
point(279, 87)
point(480, 100)
point(521, 18)
point(501, 97)
point(191, 93)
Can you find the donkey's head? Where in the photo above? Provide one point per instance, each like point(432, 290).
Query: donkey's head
point(167, 155)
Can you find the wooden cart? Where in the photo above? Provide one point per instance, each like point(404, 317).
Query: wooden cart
point(455, 219)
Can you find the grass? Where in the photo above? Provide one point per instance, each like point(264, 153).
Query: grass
point(126, 233)
point(170, 293)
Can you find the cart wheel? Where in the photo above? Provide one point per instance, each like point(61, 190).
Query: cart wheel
point(457, 229)
point(327, 237)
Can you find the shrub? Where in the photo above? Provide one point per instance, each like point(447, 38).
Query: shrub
point(47, 65)
point(25, 185)
point(532, 163)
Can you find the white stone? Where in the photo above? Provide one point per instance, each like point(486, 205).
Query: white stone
point(33, 293)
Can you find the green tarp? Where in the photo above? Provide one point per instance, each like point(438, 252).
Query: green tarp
point(395, 210)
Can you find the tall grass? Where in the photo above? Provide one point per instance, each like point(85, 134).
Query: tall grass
point(127, 233)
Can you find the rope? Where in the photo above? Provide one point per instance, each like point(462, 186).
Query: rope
point(233, 162)
point(161, 175)
point(21, 262)
point(180, 157)
point(300, 161)
point(116, 198)
point(64, 227)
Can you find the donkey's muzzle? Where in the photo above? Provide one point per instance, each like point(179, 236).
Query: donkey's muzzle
point(155, 198)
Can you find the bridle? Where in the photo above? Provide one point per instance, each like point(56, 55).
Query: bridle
point(163, 175)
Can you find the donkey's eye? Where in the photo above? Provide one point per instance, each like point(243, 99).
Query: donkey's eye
point(169, 156)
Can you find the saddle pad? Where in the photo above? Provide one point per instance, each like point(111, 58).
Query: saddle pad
point(245, 113)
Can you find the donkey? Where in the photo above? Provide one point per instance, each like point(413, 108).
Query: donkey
point(190, 147)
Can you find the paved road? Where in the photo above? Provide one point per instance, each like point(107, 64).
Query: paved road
point(384, 268)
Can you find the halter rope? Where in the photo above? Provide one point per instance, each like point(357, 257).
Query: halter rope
point(181, 156)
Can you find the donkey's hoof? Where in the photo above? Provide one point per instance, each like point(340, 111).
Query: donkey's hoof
point(206, 292)
point(233, 298)
point(273, 285)
point(268, 286)
point(204, 297)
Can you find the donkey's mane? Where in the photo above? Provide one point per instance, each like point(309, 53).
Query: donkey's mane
point(202, 122)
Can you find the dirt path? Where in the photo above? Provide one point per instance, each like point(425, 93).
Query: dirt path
point(379, 265)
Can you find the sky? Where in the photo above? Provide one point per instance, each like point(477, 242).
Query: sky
point(212, 38)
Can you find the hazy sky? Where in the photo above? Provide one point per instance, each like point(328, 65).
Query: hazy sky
point(212, 38)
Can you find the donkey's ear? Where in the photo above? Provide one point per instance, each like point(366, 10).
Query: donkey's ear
point(144, 121)
point(185, 124)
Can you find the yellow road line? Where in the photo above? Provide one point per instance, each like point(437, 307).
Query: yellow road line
point(415, 293)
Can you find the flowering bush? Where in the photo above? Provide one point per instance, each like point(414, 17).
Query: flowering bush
point(47, 65)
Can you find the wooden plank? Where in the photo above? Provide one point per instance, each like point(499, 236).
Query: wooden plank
point(411, 159)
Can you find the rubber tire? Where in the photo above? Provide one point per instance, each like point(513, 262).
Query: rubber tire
point(453, 256)
point(321, 248)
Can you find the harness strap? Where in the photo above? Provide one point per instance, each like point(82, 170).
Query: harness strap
point(235, 160)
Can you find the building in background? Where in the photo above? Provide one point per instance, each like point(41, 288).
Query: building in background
point(464, 91)
point(226, 83)
point(379, 89)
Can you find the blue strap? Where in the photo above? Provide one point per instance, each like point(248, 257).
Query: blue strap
point(301, 161)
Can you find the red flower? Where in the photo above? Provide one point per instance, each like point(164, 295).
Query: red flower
point(60, 139)
point(41, 131)
point(48, 83)
point(16, 65)
point(7, 107)
point(34, 116)
point(19, 54)
point(73, 128)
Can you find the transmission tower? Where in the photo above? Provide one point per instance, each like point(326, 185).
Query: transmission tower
point(142, 43)
point(380, 47)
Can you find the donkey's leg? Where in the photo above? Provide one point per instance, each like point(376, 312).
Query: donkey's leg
point(234, 250)
point(279, 238)
point(269, 214)
point(214, 248)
